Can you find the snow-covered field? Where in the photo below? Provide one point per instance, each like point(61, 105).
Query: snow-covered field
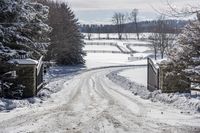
point(94, 60)
point(137, 75)
point(139, 49)
point(101, 98)
point(100, 48)
point(123, 44)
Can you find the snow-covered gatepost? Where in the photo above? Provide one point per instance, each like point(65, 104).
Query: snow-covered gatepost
point(29, 74)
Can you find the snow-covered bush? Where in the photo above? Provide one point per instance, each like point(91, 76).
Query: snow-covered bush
point(186, 55)
point(172, 80)
point(11, 90)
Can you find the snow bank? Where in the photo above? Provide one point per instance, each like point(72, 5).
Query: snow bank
point(8, 104)
point(137, 75)
point(185, 101)
point(55, 78)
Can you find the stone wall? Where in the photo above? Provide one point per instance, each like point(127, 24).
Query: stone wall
point(27, 77)
point(171, 80)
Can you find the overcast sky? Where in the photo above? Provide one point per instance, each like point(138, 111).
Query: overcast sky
point(101, 11)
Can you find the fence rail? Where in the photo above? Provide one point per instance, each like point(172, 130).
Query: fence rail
point(152, 76)
point(102, 51)
point(105, 51)
point(101, 43)
point(137, 44)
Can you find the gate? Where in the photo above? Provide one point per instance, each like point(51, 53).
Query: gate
point(39, 74)
point(152, 76)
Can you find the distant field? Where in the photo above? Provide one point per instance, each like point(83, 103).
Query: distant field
point(115, 35)
point(100, 52)
point(139, 49)
point(123, 46)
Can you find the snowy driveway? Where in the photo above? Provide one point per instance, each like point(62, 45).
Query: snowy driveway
point(90, 103)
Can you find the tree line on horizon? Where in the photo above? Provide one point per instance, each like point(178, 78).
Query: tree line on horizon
point(174, 26)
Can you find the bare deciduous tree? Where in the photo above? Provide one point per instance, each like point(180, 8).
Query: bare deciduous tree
point(119, 20)
point(161, 30)
point(99, 31)
point(161, 40)
point(133, 17)
point(154, 37)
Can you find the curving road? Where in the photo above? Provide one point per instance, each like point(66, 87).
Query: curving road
point(90, 103)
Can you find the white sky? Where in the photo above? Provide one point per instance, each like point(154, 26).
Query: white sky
point(101, 11)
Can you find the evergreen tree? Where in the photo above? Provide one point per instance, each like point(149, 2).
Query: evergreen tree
point(66, 39)
point(22, 28)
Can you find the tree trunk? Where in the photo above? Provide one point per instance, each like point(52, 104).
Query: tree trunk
point(162, 54)
point(155, 53)
point(137, 32)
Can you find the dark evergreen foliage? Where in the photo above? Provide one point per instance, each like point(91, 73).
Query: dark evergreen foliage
point(66, 39)
point(22, 27)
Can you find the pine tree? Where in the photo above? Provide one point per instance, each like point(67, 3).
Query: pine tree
point(66, 38)
point(22, 28)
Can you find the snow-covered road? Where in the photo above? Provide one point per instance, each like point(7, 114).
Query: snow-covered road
point(90, 103)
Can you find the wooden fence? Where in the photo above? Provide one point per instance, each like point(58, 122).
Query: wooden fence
point(105, 51)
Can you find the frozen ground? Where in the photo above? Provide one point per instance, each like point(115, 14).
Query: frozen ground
point(90, 103)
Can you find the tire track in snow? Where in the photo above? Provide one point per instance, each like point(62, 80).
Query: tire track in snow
point(92, 103)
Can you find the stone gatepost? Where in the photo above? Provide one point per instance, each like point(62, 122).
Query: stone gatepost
point(172, 81)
